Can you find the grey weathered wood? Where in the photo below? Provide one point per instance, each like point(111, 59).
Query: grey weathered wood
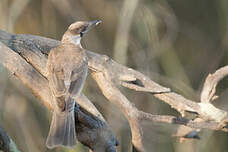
point(24, 59)
point(30, 51)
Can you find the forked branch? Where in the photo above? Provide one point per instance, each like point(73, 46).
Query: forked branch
point(32, 51)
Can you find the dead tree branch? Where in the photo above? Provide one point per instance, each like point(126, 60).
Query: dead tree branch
point(31, 51)
point(209, 88)
point(25, 64)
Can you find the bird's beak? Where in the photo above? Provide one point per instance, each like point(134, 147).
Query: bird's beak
point(91, 25)
point(94, 23)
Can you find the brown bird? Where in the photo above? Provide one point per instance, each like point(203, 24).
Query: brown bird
point(67, 68)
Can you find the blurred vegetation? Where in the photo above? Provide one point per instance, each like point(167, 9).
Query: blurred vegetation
point(175, 42)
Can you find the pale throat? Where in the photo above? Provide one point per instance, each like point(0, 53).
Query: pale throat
point(75, 39)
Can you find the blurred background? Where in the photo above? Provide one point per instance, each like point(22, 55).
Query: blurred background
point(177, 43)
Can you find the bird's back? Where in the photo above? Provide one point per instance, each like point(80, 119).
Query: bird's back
point(68, 55)
point(67, 70)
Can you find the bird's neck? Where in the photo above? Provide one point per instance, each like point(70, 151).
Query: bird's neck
point(74, 39)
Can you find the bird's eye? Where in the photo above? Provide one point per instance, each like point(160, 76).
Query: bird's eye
point(81, 34)
point(83, 28)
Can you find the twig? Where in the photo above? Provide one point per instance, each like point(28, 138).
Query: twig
point(91, 128)
point(209, 88)
point(110, 75)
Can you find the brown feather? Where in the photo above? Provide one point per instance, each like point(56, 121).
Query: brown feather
point(67, 69)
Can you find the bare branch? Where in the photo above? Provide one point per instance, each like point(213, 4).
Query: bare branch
point(91, 128)
point(115, 96)
point(109, 75)
point(181, 121)
point(209, 88)
point(132, 79)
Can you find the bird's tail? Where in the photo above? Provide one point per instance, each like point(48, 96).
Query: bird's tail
point(62, 130)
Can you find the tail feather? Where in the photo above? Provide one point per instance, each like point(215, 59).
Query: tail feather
point(62, 130)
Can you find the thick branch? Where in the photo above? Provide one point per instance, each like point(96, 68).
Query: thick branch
point(109, 75)
point(132, 79)
point(115, 96)
point(29, 67)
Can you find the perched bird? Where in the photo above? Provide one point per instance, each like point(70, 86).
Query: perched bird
point(67, 68)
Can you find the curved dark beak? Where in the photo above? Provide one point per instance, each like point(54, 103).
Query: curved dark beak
point(91, 25)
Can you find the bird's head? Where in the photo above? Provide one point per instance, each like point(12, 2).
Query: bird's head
point(77, 30)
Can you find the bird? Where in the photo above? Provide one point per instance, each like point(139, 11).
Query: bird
point(67, 67)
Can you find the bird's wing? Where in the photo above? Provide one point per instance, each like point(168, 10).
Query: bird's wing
point(74, 84)
point(78, 76)
point(66, 79)
point(55, 77)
